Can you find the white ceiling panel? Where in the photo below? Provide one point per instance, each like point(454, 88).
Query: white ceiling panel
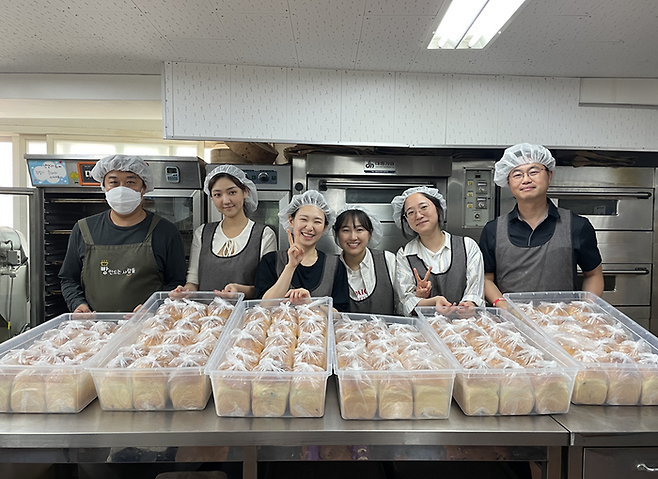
point(396, 7)
point(572, 38)
point(251, 6)
point(262, 39)
point(196, 20)
point(322, 42)
point(195, 50)
point(387, 38)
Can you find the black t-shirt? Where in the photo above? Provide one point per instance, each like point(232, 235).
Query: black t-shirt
point(307, 277)
point(166, 242)
point(583, 238)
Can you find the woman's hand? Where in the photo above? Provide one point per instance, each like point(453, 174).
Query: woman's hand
point(423, 286)
point(297, 295)
point(295, 252)
point(231, 288)
point(82, 308)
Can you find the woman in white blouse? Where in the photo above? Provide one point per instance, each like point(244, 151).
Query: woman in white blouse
point(435, 268)
point(225, 255)
point(370, 273)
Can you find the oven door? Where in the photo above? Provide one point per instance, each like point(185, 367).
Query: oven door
point(608, 208)
point(184, 208)
point(376, 195)
point(269, 205)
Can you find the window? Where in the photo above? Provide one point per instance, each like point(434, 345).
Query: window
point(6, 180)
point(106, 146)
point(37, 147)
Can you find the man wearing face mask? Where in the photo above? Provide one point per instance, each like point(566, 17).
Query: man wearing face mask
point(116, 259)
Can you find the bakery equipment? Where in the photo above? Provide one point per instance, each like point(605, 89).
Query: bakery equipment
point(273, 185)
point(373, 181)
point(66, 192)
point(619, 202)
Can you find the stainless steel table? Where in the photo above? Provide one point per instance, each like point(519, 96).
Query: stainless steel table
point(611, 441)
point(200, 436)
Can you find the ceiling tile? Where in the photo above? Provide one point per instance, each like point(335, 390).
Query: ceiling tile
point(262, 39)
point(251, 6)
point(196, 20)
point(409, 7)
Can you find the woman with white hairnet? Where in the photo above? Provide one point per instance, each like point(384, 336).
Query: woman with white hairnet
point(225, 254)
point(537, 246)
point(118, 258)
point(370, 272)
point(303, 271)
point(435, 268)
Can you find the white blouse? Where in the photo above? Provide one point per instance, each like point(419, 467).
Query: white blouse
point(440, 262)
point(363, 281)
point(223, 246)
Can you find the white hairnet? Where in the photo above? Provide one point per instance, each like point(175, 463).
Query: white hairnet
point(398, 205)
point(134, 164)
point(377, 231)
point(521, 154)
point(251, 201)
point(313, 198)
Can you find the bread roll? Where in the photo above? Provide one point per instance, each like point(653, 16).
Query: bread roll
point(477, 396)
point(189, 390)
point(358, 397)
point(551, 393)
point(149, 385)
point(28, 392)
point(395, 396)
point(307, 391)
point(517, 396)
point(591, 387)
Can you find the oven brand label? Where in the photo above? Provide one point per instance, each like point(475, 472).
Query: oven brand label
point(379, 167)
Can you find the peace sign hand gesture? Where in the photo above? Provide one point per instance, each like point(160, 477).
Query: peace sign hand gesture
point(423, 286)
point(295, 252)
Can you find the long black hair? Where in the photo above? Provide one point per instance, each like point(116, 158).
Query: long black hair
point(405, 224)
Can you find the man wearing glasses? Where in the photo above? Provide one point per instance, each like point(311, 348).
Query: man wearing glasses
point(537, 246)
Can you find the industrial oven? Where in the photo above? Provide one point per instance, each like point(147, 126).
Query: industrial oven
point(619, 202)
point(66, 192)
point(373, 181)
point(273, 185)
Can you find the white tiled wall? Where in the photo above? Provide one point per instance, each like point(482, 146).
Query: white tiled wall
point(345, 107)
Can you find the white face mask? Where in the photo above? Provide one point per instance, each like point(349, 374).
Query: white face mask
point(123, 200)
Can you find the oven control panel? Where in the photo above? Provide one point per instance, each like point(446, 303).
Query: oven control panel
point(478, 198)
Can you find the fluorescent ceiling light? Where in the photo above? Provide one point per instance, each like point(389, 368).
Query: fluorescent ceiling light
point(472, 23)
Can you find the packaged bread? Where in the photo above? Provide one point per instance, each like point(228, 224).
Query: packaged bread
point(160, 364)
point(43, 370)
point(508, 369)
point(388, 370)
point(608, 345)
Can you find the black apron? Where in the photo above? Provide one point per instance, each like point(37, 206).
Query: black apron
point(450, 284)
point(215, 272)
point(116, 278)
point(326, 285)
point(382, 298)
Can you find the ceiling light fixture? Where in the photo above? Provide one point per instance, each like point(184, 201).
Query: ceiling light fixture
point(473, 23)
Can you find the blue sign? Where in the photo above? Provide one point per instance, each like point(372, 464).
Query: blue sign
point(48, 172)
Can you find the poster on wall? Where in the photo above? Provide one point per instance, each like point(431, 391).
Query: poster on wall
point(48, 172)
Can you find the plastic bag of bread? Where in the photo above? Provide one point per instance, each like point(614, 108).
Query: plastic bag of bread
point(115, 389)
point(358, 394)
point(189, 390)
point(28, 392)
point(624, 381)
point(307, 391)
point(269, 393)
point(552, 392)
point(149, 384)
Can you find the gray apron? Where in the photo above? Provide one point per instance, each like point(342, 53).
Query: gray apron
point(215, 272)
point(116, 278)
point(382, 299)
point(548, 267)
point(450, 284)
point(326, 285)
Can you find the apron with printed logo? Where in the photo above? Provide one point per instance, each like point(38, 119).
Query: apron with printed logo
point(116, 278)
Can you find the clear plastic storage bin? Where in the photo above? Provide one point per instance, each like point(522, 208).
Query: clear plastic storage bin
point(391, 367)
point(157, 364)
point(44, 369)
point(618, 357)
point(275, 361)
point(506, 368)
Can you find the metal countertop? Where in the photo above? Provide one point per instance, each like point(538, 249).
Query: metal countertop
point(620, 426)
point(94, 428)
